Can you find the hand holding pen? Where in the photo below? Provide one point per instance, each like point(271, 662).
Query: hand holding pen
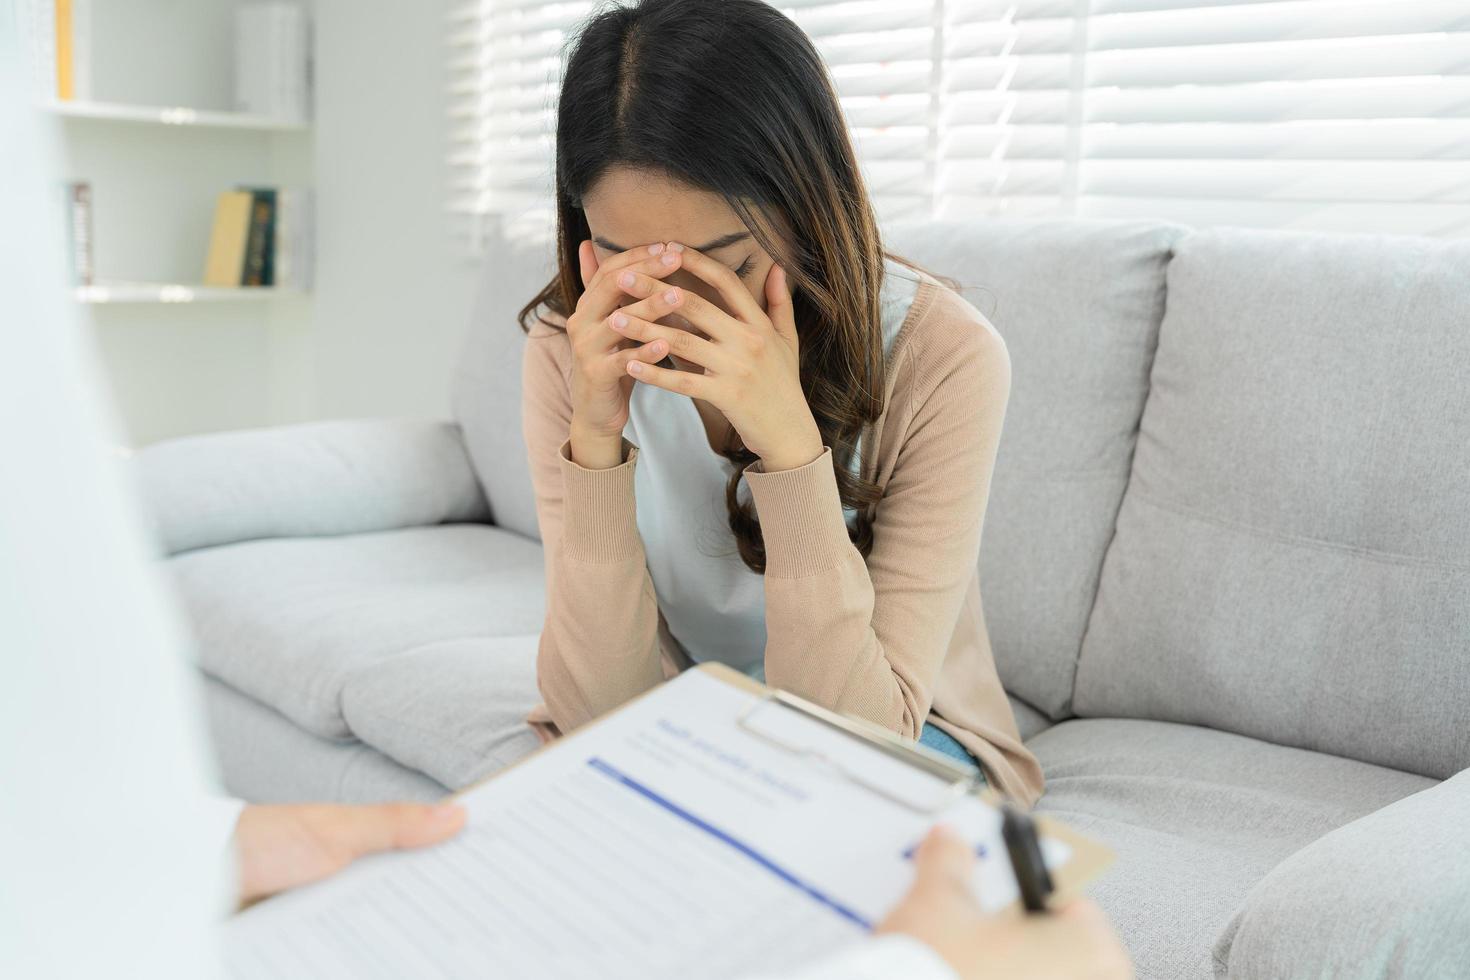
point(940, 910)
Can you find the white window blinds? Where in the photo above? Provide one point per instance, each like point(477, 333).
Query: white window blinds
point(883, 61)
point(1320, 114)
point(1349, 115)
point(1010, 91)
point(504, 65)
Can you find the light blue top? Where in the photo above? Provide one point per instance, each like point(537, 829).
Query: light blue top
point(714, 605)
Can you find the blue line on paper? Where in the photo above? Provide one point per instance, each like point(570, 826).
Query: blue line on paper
point(738, 845)
point(908, 854)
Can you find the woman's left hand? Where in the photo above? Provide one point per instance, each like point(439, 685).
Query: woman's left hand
point(751, 359)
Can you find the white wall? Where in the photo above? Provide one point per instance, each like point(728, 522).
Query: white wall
point(178, 368)
point(393, 295)
point(380, 332)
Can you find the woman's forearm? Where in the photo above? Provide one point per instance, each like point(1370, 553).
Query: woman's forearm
point(821, 642)
point(869, 636)
point(599, 646)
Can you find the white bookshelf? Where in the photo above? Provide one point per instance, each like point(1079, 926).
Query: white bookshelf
point(174, 116)
point(169, 292)
point(153, 130)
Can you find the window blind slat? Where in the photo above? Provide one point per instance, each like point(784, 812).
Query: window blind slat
point(972, 11)
point(1443, 98)
point(1347, 139)
point(1015, 38)
point(845, 17)
point(1005, 175)
point(1370, 181)
point(1283, 21)
point(1399, 218)
point(1013, 142)
point(877, 48)
point(1225, 64)
point(1020, 107)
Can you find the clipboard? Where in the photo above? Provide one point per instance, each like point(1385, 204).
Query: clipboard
point(1088, 859)
point(669, 838)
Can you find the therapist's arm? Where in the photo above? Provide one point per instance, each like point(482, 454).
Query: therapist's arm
point(282, 847)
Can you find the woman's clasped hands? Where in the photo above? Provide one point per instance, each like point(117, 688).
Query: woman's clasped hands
point(734, 353)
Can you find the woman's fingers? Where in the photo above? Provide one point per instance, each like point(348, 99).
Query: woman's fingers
point(719, 275)
point(680, 382)
point(587, 262)
point(587, 252)
point(657, 300)
point(603, 293)
point(681, 342)
point(650, 353)
point(779, 305)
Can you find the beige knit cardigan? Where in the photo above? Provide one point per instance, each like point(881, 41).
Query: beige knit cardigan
point(898, 638)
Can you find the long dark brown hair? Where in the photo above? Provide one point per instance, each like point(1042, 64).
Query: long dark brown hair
point(729, 96)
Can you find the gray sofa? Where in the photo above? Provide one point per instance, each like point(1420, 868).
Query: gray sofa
point(1226, 570)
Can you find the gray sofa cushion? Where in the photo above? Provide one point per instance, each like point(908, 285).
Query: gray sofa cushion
point(487, 381)
point(319, 478)
point(1079, 304)
point(1292, 559)
point(1385, 896)
point(1196, 817)
point(264, 757)
point(290, 622)
point(455, 709)
point(1029, 721)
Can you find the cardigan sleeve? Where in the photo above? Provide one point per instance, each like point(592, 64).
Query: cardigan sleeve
point(599, 644)
point(869, 637)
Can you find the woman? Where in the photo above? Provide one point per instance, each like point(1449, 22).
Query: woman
point(811, 425)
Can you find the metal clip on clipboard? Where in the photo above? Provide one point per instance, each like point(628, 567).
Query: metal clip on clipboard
point(950, 781)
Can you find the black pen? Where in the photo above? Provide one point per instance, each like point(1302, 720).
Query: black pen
point(1032, 878)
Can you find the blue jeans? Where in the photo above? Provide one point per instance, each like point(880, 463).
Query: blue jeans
point(944, 743)
point(935, 738)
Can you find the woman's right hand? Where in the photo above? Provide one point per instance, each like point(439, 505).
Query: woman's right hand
point(601, 384)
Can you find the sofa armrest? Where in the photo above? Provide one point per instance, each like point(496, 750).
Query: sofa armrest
point(1385, 896)
point(321, 478)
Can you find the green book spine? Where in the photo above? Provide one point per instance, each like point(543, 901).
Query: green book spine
point(260, 247)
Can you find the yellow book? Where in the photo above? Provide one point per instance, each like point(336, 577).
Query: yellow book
point(65, 52)
point(226, 263)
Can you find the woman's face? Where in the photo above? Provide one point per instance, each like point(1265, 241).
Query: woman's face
point(628, 208)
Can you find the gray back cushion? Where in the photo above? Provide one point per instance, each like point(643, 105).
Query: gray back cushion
point(1079, 305)
point(1292, 558)
point(487, 383)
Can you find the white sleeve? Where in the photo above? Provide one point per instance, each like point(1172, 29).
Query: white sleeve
point(882, 958)
point(220, 814)
point(102, 741)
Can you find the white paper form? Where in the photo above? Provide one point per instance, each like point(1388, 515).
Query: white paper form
point(663, 841)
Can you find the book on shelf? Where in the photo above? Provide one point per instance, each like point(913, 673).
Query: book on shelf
point(58, 38)
point(273, 60)
point(225, 265)
point(294, 234)
point(258, 250)
point(79, 232)
point(261, 237)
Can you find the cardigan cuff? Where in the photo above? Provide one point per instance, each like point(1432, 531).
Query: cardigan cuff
point(599, 515)
point(801, 517)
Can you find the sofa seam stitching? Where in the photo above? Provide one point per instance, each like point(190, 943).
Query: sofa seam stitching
point(1137, 433)
point(1372, 554)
